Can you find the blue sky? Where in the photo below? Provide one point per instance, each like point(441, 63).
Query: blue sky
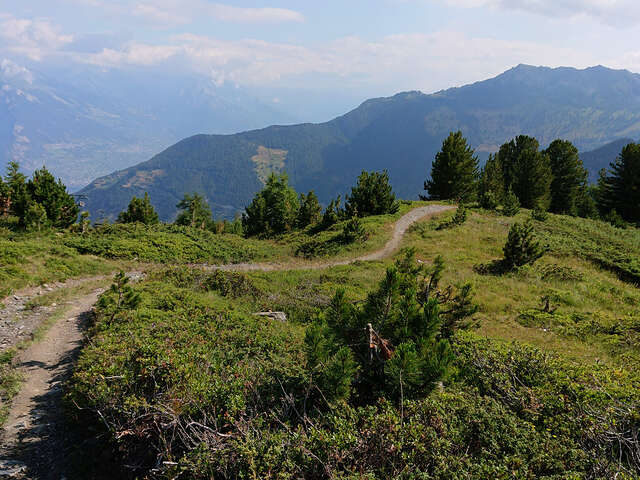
point(367, 48)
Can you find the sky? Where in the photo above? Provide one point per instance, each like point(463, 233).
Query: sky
point(352, 48)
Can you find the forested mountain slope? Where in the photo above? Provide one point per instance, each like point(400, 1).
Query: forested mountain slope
point(401, 134)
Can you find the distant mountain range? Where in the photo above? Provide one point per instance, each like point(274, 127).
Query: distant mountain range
point(402, 134)
point(83, 122)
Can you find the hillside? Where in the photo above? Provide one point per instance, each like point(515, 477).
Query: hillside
point(401, 133)
point(188, 381)
point(83, 122)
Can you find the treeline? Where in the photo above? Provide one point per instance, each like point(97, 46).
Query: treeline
point(554, 179)
point(42, 202)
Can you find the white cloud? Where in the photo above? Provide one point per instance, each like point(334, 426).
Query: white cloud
point(229, 13)
point(32, 38)
point(134, 54)
point(157, 14)
point(426, 61)
point(616, 12)
point(169, 12)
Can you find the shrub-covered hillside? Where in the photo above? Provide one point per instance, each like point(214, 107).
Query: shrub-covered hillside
point(527, 372)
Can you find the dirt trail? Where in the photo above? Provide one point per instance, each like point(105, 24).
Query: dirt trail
point(18, 322)
point(399, 229)
point(34, 433)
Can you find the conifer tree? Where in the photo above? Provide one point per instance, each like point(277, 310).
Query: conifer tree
point(569, 176)
point(273, 210)
point(310, 211)
point(16, 184)
point(61, 208)
point(408, 324)
point(454, 172)
point(372, 195)
point(511, 205)
point(333, 213)
point(4, 198)
point(522, 247)
point(139, 210)
point(491, 184)
point(526, 171)
point(194, 212)
point(619, 188)
point(36, 217)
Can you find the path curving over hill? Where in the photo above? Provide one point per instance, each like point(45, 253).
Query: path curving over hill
point(34, 437)
point(399, 229)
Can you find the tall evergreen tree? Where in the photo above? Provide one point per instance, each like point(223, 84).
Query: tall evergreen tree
point(454, 172)
point(18, 194)
point(569, 176)
point(273, 210)
point(4, 198)
point(372, 195)
point(61, 208)
point(620, 188)
point(310, 211)
point(194, 212)
point(139, 210)
point(491, 185)
point(526, 171)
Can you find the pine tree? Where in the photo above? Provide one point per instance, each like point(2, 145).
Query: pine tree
point(569, 176)
point(454, 172)
point(120, 297)
point(526, 171)
point(36, 217)
point(5, 202)
point(620, 189)
point(194, 212)
point(18, 194)
point(491, 184)
point(353, 230)
point(333, 213)
point(61, 208)
point(511, 205)
point(407, 324)
point(372, 195)
point(274, 210)
point(522, 247)
point(139, 210)
point(310, 212)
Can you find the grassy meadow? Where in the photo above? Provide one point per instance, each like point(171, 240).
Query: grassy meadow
point(535, 392)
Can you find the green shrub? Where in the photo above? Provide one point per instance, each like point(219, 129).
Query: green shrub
point(510, 205)
point(353, 231)
point(521, 248)
point(458, 218)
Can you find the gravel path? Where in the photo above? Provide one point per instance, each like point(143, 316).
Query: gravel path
point(399, 229)
point(33, 441)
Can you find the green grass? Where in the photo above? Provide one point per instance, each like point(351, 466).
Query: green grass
point(34, 259)
point(598, 299)
point(171, 244)
point(10, 380)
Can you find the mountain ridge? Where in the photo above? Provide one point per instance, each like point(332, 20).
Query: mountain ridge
point(401, 133)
